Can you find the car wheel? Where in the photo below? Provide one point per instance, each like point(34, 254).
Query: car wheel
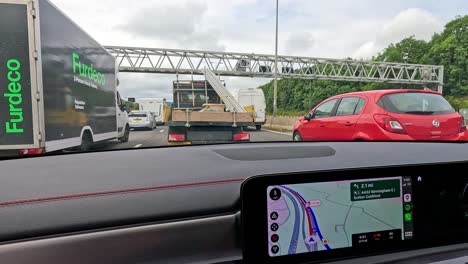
point(126, 136)
point(86, 141)
point(297, 136)
point(258, 127)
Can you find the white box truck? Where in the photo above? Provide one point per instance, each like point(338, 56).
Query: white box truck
point(154, 105)
point(57, 84)
point(253, 98)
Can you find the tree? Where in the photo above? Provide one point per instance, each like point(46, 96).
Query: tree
point(450, 48)
point(409, 50)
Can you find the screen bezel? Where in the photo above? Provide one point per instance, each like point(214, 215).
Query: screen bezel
point(254, 211)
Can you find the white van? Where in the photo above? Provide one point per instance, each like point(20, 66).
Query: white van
point(254, 97)
point(154, 105)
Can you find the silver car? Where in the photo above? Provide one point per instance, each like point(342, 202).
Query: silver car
point(142, 119)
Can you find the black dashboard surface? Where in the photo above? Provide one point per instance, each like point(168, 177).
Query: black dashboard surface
point(57, 194)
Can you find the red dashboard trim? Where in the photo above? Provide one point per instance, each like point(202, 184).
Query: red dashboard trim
point(115, 192)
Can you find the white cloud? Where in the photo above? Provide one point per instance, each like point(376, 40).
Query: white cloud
point(171, 21)
point(178, 25)
point(418, 22)
point(366, 50)
point(299, 43)
point(410, 22)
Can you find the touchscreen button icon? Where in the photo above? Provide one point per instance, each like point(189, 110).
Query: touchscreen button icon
point(408, 217)
point(274, 216)
point(275, 194)
point(408, 207)
point(274, 238)
point(407, 198)
point(274, 227)
point(274, 249)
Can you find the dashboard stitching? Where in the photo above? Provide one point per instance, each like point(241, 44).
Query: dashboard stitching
point(116, 192)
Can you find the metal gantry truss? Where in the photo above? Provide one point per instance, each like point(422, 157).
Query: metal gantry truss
point(175, 61)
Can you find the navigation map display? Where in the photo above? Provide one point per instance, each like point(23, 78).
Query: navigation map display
point(322, 216)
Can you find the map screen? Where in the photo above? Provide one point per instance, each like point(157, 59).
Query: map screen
point(329, 215)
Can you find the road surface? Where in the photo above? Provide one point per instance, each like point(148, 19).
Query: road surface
point(158, 137)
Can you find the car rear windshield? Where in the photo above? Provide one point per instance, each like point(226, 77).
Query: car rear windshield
point(415, 103)
point(137, 115)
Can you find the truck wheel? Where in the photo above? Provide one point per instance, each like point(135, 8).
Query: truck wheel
point(126, 135)
point(297, 136)
point(86, 141)
point(258, 127)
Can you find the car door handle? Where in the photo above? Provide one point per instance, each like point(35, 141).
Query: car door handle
point(322, 125)
point(348, 124)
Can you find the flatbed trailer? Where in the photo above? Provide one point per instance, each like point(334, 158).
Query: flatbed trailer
point(190, 125)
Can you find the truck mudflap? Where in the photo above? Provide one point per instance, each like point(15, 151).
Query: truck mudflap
point(19, 122)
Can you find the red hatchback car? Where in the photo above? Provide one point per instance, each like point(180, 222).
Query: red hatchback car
point(382, 115)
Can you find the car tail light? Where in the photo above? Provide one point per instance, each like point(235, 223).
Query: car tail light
point(462, 126)
point(389, 123)
point(241, 137)
point(31, 151)
point(176, 137)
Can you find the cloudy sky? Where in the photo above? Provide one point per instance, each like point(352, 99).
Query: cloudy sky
point(320, 28)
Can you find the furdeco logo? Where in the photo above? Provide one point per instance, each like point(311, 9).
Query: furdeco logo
point(14, 97)
point(87, 71)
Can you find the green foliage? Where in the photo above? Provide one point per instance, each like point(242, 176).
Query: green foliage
point(133, 106)
point(449, 48)
point(409, 50)
point(457, 103)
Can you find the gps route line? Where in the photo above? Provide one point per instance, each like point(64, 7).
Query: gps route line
point(309, 210)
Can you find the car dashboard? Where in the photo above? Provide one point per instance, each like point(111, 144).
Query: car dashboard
point(178, 204)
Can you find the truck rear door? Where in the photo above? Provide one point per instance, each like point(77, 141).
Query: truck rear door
point(19, 122)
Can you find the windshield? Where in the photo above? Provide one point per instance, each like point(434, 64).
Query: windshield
point(416, 103)
point(193, 72)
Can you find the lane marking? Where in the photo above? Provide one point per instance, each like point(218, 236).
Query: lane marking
point(282, 133)
point(139, 145)
point(161, 131)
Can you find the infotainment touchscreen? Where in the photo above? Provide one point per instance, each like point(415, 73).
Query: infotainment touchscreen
point(310, 217)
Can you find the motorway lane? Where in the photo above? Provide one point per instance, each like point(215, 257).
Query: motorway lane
point(138, 139)
point(158, 137)
point(268, 135)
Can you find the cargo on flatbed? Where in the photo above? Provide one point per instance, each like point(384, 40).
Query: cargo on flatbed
point(196, 116)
